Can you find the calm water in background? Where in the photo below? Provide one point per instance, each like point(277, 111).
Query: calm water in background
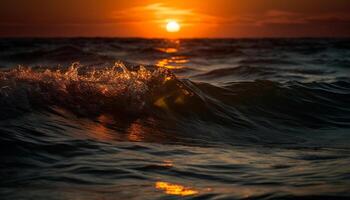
point(219, 119)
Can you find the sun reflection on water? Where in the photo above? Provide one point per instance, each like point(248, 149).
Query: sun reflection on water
point(135, 132)
point(167, 50)
point(175, 189)
point(167, 163)
point(172, 62)
point(99, 130)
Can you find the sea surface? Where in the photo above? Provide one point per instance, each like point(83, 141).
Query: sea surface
point(109, 118)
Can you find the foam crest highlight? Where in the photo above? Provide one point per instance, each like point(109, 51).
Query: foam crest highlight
point(115, 87)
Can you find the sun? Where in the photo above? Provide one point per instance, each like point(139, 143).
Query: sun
point(173, 26)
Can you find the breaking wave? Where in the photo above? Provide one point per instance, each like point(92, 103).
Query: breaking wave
point(138, 91)
point(81, 90)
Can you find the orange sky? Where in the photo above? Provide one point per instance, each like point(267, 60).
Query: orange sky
point(199, 18)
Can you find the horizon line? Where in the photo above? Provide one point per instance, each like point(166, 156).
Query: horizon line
point(173, 38)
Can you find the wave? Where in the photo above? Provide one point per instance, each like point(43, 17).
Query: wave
point(62, 54)
point(139, 91)
point(341, 63)
point(294, 104)
point(267, 62)
point(238, 71)
point(82, 90)
point(261, 72)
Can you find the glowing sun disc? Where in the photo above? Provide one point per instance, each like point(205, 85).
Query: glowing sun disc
point(173, 27)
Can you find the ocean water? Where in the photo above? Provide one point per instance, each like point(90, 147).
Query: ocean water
point(108, 118)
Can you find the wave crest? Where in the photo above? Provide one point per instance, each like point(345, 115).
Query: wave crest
point(81, 89)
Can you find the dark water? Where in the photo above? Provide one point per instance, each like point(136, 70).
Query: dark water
point(200, 119)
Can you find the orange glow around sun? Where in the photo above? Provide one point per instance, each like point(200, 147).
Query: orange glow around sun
point(173, 26)
point(191, 19)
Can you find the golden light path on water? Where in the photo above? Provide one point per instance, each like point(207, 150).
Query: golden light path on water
point(173, 61)
point(175, 189)
point(168, 50)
